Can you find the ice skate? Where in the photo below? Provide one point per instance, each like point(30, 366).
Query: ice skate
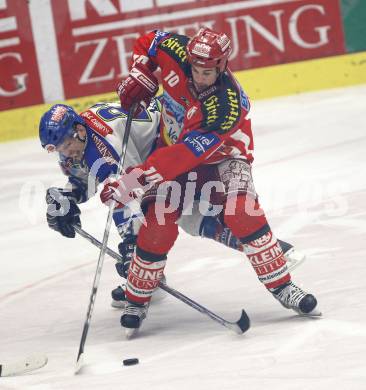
point(119, 297)
point(293, 297)
point(132, 317)
point(293, 257)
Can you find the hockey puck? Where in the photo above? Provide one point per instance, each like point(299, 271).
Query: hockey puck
point(130, 362)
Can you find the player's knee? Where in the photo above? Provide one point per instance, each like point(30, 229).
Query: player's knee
point(158, 238)
point(243, 216)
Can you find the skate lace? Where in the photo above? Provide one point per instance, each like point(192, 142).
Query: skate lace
point(291, 295)
point(139, 311)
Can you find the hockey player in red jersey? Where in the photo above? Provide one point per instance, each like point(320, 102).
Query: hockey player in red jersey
point(83, 143)
point(207, 136)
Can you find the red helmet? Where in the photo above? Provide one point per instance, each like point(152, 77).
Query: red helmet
point(209, 49)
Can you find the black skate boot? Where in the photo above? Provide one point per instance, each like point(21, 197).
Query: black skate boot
point(119, 297)
point(132, 317)
point(293, 297)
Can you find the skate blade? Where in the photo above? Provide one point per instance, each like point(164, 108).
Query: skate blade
point(294, 258)
point(118, 304)
point(314, 313)
point(131, 332)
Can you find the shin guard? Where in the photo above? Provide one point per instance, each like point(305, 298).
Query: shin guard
point(144, 274)
point(266, 257)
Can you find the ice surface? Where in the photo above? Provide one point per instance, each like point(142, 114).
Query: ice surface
point(310, 165)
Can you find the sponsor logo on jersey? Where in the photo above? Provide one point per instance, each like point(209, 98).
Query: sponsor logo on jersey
point(176, 47)
point(173, 116)
point(96, 124)
point(244, 100)
point(207, 92)
point(212, 107)
point(173, 107)
point(171, 129)
point(233, 115)
point(200, 143)
point(103, 150)
point(221, 111)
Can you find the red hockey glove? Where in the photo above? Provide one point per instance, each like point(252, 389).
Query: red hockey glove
point(139, 87)
point(127, 187)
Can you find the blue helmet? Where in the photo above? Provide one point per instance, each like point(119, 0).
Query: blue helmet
point(56, 124)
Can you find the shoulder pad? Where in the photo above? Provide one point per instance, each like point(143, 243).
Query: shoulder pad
point(175, 47)
point(222, 108)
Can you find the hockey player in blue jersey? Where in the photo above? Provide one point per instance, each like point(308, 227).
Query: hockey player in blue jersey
point(89, 145)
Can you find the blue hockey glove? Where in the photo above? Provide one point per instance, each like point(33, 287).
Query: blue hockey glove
point(62, 211)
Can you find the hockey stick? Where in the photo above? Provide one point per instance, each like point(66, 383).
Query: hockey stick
point(79, 360)
point(239, 327)
point(22, 366)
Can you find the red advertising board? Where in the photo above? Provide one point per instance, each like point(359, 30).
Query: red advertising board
point(95, 42)
point(85, 45)
point(19, 78)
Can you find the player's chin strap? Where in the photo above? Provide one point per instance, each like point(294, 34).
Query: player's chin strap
point(79, 360)
point(239, 327)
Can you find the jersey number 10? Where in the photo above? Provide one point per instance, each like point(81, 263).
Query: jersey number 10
point(172, 79)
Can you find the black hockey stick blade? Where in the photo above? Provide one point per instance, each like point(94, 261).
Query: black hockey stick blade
point(240, 326)
point(244, 322)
